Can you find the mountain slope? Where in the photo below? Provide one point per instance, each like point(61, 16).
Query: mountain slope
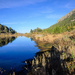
point(5, 29)
point(66, 23)
point(67, 15)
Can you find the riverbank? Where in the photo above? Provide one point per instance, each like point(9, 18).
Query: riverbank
point(64, 43)
point(2, 35)
point(45, 37)
point(51, 62)
point(60, 41)
point(56, 50)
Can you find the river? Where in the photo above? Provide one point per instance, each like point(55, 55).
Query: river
point(13, 51)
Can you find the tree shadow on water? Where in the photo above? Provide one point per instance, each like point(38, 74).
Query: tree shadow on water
point(50, 62)
point(57, 66)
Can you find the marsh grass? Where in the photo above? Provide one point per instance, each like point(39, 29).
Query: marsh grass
point(72, 56)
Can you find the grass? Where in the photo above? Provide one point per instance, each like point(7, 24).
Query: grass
point(72, 56)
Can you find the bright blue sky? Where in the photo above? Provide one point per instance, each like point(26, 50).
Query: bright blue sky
point(23, 15)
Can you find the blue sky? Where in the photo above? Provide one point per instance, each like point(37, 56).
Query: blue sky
point(23, 15)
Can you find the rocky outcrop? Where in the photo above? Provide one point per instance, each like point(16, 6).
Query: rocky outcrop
point(67, 15)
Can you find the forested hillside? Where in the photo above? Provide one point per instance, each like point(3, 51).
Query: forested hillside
point(5, 29)
point(66, 23)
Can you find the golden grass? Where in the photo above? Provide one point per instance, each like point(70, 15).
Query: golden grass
point(60, 40)
point(11, 35)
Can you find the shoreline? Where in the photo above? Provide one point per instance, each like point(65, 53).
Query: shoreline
point(63, 44)
point(11, 35)
point(65, 41)
point(53, 59)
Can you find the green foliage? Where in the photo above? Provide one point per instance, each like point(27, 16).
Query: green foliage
point(57, 29)
point(72, 56)
point(38, 29)
point(31, 31)
point(4, 29)
point(62, 26)
point(35, 30)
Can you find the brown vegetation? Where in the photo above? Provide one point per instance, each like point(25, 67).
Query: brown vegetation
point(65, 41)
point(11, 35)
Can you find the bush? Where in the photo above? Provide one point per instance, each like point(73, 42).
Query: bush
point(57, 30)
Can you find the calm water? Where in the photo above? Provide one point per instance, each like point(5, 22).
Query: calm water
point(13, 53)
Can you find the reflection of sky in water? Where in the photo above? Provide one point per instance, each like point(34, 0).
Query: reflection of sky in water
point(14, 53)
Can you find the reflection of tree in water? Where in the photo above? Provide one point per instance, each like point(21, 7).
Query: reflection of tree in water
point(46, 62)
point(31, 39)
point(50, 62)
point(5, 41)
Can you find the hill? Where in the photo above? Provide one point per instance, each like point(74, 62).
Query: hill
point(5, 29)
point(67, 16)
point(66, 23)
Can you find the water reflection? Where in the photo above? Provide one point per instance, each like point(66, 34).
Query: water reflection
point(12, 55)
point(50, 62)
point(43, 46)
point(5, 41)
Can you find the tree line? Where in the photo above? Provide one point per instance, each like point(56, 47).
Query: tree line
point(5, 29)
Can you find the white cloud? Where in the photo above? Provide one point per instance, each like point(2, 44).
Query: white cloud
point(17, 3)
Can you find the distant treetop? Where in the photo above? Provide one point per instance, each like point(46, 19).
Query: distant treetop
point(5, 29)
